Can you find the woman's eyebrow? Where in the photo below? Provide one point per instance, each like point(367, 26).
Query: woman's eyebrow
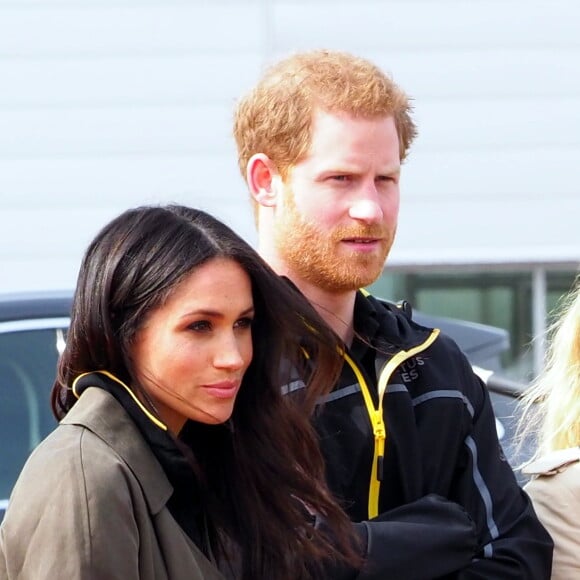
point(214, 313)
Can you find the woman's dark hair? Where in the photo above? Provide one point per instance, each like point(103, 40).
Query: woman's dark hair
point(254, 472)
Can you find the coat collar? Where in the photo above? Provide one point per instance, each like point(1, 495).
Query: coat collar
point(553, 462)
point(99, 412)
point(387, 325)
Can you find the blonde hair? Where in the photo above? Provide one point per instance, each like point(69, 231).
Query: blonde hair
point(275, 117)
point(551, 406)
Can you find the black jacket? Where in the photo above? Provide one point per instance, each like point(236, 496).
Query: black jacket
point(430, 487)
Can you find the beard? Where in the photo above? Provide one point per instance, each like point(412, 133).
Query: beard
point(321, 258)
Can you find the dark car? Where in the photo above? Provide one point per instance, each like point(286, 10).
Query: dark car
point(32, 334)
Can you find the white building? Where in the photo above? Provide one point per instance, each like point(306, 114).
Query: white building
point(107, 104)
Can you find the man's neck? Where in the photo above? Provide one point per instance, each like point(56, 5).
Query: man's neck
point(336, 309)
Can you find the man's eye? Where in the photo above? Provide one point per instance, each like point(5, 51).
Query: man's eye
point(388, 178)
point(340, 178)
point(200, 326)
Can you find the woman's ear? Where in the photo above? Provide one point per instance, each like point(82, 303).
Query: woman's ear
point(263, 179)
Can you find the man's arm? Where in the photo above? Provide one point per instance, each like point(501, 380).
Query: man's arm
point(428, 538)
point(512, 542)
point(422, 540)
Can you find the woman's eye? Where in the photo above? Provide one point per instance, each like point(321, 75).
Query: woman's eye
point(200, 326)
point(245, 322)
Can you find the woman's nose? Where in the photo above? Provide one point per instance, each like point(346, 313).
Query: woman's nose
point(229, 354)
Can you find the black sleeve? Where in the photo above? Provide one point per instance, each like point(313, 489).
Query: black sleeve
point(422, 540)
point(512, 543)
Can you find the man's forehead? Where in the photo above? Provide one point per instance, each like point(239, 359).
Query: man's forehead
point(345, 137)
point(319, 114)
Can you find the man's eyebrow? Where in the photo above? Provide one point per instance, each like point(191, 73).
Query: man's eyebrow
point(345, 167)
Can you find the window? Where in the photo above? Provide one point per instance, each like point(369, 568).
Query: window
point(27, 370)
point(499, 298)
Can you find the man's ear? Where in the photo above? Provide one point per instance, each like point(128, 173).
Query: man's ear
point(263, 179)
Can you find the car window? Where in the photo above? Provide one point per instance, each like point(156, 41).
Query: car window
point(27, 370)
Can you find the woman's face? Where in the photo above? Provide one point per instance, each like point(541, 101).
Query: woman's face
point(192, 351)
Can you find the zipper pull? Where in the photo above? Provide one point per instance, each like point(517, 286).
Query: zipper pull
point(380, 441)
point(380, 436)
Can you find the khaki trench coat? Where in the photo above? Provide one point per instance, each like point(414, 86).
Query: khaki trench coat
point(90, 504)
point(555, 493)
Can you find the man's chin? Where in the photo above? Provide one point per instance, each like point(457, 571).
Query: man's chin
point(344, 284)
point(337, 275)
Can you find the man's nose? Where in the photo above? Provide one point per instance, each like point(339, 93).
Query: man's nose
point(366, 209)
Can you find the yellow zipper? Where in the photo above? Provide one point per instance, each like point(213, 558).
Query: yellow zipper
point(376, 413)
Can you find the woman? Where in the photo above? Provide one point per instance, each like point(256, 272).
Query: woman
point(177, 456)
point(552, 408)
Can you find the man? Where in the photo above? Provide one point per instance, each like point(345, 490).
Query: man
point(408, 433)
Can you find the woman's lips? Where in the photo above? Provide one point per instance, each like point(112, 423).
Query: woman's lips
point(222, 390)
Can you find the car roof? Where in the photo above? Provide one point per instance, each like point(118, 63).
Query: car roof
point(475, 339)
point(44, 304)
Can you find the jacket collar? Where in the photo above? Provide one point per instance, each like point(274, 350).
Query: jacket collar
point(98, 411)
point(387, 325)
